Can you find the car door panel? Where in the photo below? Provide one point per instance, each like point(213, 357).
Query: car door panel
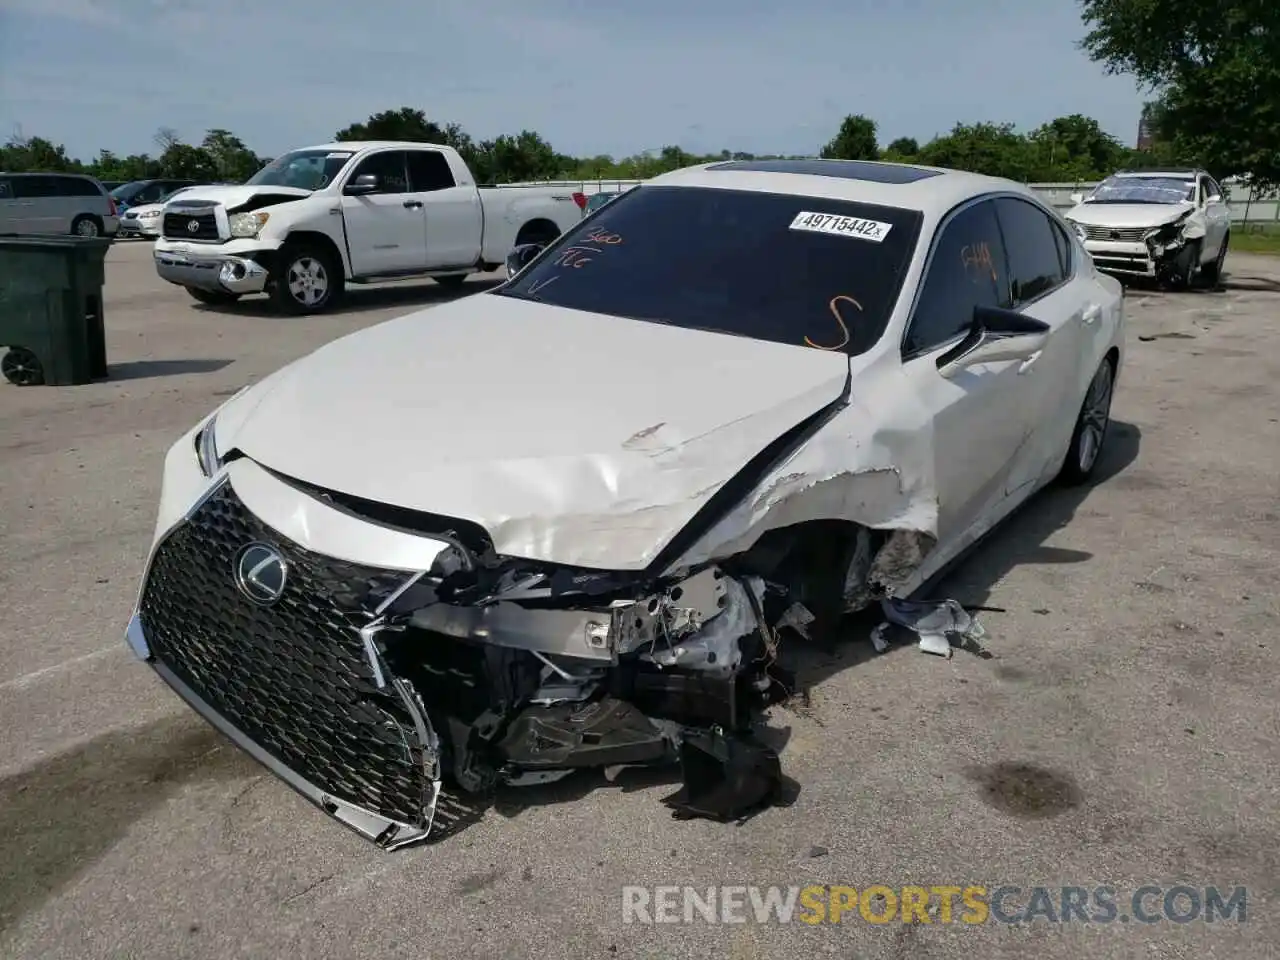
point(454, 222)
point(385, 232)
point(979, 414)
point(1042, 267)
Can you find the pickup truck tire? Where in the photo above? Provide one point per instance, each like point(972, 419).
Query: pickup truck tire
point(451, 281)
point(307, 279)
point(213, 298)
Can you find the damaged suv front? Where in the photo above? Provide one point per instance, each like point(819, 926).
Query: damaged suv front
point(512, 538)
point(1142, 224)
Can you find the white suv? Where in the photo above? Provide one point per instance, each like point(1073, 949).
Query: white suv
point(1167, 224)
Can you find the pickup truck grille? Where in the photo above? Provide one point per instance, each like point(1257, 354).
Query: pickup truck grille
point(1116, 234)
point(293, 677)
point(190, 226)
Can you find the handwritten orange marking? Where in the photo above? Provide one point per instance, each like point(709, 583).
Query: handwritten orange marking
point(575, 256)
point(600, 235)
point(978, 256)
point(834, 307)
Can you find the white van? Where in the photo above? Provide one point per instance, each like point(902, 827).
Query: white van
point(50, 203)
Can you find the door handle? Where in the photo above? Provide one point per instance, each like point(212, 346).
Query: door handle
point(1092, 314)
point(1028, 363)
point(413, 204)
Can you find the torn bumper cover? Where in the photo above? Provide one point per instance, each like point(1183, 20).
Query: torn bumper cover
point(365, 688)
point(1169, 245)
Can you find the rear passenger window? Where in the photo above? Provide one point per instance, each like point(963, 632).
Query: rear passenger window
point(1064, 247)
point(35, 187)
point(967, 270)
point(1035, 261)
point(77, 187)
point(429, 170)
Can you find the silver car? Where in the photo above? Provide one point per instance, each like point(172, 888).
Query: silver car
point(53, 203)
point(144, 219)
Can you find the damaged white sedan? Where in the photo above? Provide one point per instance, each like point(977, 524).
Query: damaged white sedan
point(567, 523)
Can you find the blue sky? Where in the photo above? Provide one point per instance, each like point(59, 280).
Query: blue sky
point(602, 77)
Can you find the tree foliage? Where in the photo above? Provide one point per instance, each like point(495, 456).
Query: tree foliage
point(1073, 148)
point(855, 140)
point(1215, 70)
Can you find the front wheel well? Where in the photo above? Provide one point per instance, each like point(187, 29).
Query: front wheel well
point(310, 238)
point(537, 231)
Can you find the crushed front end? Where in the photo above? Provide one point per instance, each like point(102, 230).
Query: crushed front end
point(367, 688)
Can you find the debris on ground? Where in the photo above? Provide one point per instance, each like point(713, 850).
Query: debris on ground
point(938, 626)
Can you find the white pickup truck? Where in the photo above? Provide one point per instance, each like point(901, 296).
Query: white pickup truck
point(316, 219)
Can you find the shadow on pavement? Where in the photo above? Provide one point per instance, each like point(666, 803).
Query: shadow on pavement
point(360, 299)
point(1020, 539)
point(146, 369)
point(60, 816)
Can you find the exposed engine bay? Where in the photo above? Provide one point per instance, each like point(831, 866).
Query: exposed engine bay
point(531, 672)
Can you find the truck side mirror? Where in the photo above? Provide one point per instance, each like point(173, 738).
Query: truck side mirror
point(1077, 198)
point(365, 183)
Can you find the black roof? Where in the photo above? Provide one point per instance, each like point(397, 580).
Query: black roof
point(840, 169)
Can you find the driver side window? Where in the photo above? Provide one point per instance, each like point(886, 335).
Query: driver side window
point(967, 269)
point(389, 168)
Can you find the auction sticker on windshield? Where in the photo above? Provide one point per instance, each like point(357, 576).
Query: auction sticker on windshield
point(841, 226)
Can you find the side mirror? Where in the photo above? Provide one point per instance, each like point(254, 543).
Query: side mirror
point(521, 256)
point(365, 183)
point(996, 334)
point(1215, 198)
point(1077, 198)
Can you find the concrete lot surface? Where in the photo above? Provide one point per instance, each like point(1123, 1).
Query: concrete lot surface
point(1125, 729)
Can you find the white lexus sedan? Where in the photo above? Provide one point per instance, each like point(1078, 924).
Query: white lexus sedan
point(567, 522)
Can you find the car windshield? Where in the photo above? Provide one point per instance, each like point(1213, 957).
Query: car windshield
point(127, 190)
point(789, 269)
point(306, 169)
point(1143, 190)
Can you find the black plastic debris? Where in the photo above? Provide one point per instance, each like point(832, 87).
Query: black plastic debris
point(725, 778)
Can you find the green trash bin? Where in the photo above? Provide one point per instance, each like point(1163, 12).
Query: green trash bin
point(51, 316)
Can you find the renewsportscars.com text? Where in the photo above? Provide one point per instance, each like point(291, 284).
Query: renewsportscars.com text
point(944, 904)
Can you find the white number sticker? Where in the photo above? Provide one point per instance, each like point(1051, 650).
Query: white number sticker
point(839, 226)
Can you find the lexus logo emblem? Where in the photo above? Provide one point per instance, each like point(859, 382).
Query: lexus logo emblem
point(193, 226)
point(261, 573)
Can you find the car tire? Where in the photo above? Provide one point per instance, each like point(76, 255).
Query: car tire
point(1182, 277)
point(308, 279)
point(451, 281)
point(21, 367)
point(86, 226)
point(1212, 272)
point(1092, 425)
point(214, 298)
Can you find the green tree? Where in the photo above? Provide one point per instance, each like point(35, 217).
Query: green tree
point(903, 148)
point(995, 149)
point(36, 153)
point(185, 162)
point(403, 124)
point(1214, 67)
point(1074, 148)
point(856, 140)
point(232, 160)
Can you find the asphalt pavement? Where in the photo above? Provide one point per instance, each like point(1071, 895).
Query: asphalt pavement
point(1122, 729)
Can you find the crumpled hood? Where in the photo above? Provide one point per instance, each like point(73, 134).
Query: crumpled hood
point(233, 196)
point(1127, 214)
point(571, 437)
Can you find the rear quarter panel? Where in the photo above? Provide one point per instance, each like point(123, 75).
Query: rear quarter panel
point(507, 209)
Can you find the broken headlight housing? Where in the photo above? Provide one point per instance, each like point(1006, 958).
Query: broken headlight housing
point(245, 226)
point(207, 448)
